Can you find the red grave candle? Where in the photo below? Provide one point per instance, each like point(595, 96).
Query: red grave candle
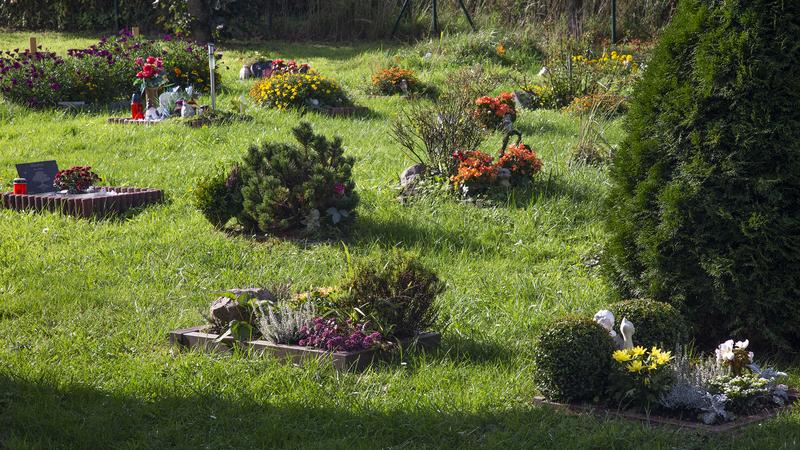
point(20, 186)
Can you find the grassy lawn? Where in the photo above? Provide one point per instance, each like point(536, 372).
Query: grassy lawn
point(85, 305)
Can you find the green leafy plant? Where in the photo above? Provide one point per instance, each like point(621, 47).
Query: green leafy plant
point(656, 323)
point(218, 196)
point(640, 376)
point(702, 212)
point(573, 360)
point(288, 187)
point(398, 294)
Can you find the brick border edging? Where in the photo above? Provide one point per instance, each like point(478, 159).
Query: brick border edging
point(78, 206)
point(195, 337)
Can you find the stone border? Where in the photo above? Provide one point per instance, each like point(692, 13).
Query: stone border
point(603, 412)
point(83, 205)
point(195, 337)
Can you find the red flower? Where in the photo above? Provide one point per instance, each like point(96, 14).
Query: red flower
point(338, 188)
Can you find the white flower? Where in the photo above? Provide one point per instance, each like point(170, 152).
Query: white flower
point(750, 356)
point(742, 344)
point(725, 351)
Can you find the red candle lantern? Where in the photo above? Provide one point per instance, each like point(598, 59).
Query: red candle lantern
point(20, 186)
point(137, 111)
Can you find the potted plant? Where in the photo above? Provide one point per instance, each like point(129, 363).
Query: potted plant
point(75, 180)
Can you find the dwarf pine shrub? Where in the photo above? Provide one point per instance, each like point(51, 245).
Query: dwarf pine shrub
point(703, 209)
point(288, 187)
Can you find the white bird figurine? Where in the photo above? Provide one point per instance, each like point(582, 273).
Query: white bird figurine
point(627, 329)
point(606, 319)
point(245, 73)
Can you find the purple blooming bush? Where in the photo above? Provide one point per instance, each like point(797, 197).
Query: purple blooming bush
point(335, 335)
point(102, 72)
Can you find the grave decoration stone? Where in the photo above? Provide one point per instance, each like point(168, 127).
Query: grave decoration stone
point(261, 69)
point(40, 176)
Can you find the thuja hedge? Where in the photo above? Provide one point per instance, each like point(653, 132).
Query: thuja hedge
point(703, 210)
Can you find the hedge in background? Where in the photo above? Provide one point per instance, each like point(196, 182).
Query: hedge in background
point(656, 323)
point(706, 187)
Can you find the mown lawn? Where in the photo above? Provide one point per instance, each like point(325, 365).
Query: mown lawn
point(85, 305)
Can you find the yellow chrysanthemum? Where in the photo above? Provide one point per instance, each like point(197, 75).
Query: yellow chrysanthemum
point(635, 366)
point(638, 351)
point(621, 356)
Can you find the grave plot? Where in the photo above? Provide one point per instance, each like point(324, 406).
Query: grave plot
point(42, 187)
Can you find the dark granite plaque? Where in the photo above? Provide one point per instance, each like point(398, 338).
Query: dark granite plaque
point(40, 176)
point(261, 69)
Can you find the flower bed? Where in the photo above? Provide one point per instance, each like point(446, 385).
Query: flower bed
point(576, 367)
point(384, 304)
point(100, 73)
point(299, 90)
point(357, 360)
point(115, 200)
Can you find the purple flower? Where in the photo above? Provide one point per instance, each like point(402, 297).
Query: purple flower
point(338, 188)
point(55, 86)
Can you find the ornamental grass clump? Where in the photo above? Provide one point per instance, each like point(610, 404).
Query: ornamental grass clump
point(572, 360)
point(398, 294)
point(702, 210)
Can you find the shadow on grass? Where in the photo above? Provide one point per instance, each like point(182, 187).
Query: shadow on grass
point(50, 414)
point(397, 231)
point(308, 50)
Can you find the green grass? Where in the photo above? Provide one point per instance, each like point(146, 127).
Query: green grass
point(85, 305)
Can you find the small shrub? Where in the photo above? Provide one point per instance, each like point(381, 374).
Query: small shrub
point(539, 96)
point(606, 103)
point(298, 90)
point(430, 133)
point(398, 294)
point(573, 360)
point(656, 323)
point(391, 80)
point(288, 187)
point(333, 334)
point(218, 196)
point(285, 325)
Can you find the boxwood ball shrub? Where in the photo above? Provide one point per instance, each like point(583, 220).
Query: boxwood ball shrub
point(657, 323)
point(573, 359)
point(398, 293)
point(288, 187)
point(703, 208)
point(218, 196)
